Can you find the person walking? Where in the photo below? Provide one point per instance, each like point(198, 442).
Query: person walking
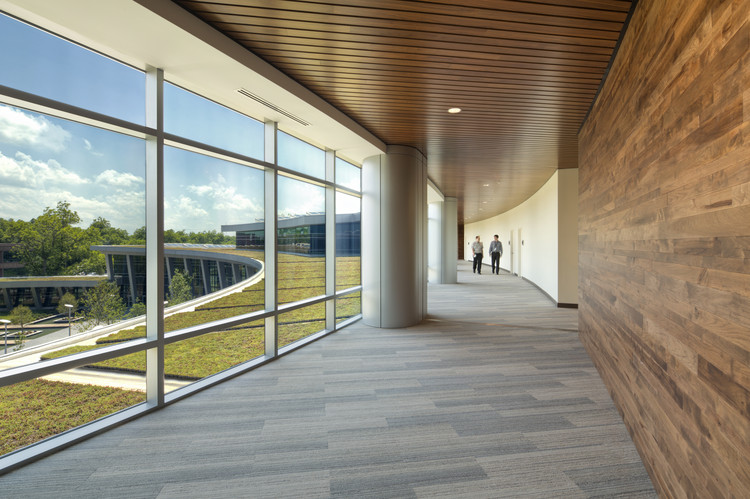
point(477, 248)
point(496, 251)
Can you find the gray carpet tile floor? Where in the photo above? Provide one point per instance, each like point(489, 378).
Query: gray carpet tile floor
point(491, 396)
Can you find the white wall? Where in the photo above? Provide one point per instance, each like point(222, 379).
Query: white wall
point(541, 218)
point(434, 242)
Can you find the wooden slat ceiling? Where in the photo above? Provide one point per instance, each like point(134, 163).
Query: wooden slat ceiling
point(523, 72)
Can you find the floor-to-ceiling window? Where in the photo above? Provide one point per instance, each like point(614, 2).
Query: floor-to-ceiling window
point(103, 165)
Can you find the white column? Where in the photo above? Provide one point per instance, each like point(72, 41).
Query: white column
point(435, 242)
point(449, 243)
point(394, 211)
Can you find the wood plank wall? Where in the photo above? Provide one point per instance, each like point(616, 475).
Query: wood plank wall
point(461, 241)
point(664, 231)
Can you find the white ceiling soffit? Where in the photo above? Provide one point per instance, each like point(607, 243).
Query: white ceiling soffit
point(433, 193)
point(160, 34)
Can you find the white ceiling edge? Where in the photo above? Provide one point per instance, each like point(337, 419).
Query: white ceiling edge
point(434, 194)
point(159, 33)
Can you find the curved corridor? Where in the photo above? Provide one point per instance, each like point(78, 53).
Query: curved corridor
point(492, 396)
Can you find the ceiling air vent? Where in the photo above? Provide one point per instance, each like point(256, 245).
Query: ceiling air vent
point(276, 108)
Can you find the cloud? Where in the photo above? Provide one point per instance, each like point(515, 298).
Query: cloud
point(28, 186)
point(188, 207)
point(87, 145)
point(23, 170)
point(185, 213)
point(21, 128)
point(23, 203)
point(298, 198)
point(118, 179)
point(226, 202)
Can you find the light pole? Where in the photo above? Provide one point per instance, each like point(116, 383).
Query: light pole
point(69, 307)
point(5, 323)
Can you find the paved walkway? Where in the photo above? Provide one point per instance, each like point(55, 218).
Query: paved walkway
point(491, 396)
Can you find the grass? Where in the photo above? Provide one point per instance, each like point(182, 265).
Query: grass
point(37, 409)
point(299, 278)
point(34, 410)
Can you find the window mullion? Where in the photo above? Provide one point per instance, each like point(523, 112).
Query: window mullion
point(271, 250)
point(330, 221)
point(155, 237)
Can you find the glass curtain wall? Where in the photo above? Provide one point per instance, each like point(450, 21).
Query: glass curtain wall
point(167, 289)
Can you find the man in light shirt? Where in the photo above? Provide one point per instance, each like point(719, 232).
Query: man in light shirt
point(477, 248)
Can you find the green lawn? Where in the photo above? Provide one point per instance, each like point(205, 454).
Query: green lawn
point(34, 410)
point(299, 278)
point(37, 409)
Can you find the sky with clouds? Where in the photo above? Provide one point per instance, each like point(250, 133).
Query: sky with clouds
point(44, 160)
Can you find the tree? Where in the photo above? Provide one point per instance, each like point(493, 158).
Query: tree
point(102, 232)
point(50, 244)
point(209, 237)
point(67, 299)
point(95, 263)
point(139, 236)
point(21, 315)
point(103, 303)
point(180, 288)
point(138, 308)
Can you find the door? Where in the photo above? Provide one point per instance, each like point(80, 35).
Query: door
point(512, 250)
point(519, 244)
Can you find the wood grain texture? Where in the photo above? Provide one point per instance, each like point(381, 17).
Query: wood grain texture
point(524, 73)
point(664, 242)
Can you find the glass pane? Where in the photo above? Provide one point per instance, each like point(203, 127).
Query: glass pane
point(300, 156)
point(301, 240)
point(196, 358)
point(193, 117)
point(207, 203)
point(348, 306)
point(348, 257)
point(298, 324)
point(184, 361)
point(348, 175)
point(48, 66)
point(34, 410)
point(67, 193)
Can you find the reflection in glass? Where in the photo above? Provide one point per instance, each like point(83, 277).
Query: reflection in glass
point(300, 156)
point(51, 67)
point(348, 256)
point(300, 323)
point(348, 175)
point(301, 240)
point(193, 117)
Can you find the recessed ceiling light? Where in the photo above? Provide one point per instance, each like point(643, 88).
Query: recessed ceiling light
point(454, 110)
point(484, 202)
point(485, 185)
